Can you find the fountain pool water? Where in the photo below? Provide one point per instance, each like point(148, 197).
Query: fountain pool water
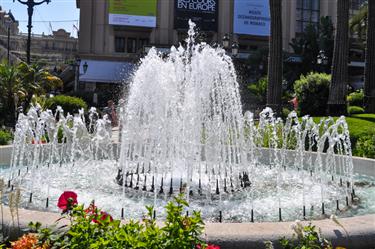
point(184, 131)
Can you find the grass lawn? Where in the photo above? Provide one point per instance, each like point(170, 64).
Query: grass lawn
point(360, 125)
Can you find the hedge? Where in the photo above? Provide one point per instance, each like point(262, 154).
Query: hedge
point(68, 103)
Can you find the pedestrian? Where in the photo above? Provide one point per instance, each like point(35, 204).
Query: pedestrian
point(110, 110)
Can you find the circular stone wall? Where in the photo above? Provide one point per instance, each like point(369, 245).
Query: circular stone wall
point(359, 234)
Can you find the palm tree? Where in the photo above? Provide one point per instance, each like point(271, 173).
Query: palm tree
point(370, 60)
point(11, 89)
point(338, 88)
point(36, 80)
point(275, 60)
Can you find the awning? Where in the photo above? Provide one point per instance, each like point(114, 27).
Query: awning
point(106, 71)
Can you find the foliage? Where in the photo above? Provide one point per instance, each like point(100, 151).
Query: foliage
point(11, 89)
point(258, 62)
point(311, 41)
point(5, 137)
point(259, 89)
point(39, 101)
point(312, 93)
point(18, 85)
point(307, 238)
point(365, 146)
point(92, 228)
point(356, 98)
point(68, 103)
point(285, 112)
point(360, 125)
point(355, 110)
point(358, 23)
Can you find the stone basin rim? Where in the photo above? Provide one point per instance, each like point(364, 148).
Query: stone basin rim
point(361, 230)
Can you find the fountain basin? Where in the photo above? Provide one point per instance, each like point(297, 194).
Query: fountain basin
point(234, 210)
point(249, 235)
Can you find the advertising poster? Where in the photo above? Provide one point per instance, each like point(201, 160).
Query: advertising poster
point(252, 17)
point(140, 13)
point(203, 12)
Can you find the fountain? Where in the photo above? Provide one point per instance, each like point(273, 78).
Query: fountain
point(184, 131)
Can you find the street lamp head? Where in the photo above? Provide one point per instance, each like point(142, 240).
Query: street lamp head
point(322, 59)
point(319, 58)
point(226, 41)
point(235, 49)
point(85, 66)
point(8, 21)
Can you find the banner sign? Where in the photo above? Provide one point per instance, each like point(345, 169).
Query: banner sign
point(141, 13)
point(203, 12)
point(252, 17)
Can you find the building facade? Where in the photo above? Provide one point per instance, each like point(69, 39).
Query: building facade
point(98, 38)
point(104, 36)
point(55, 49)
point(58, 48)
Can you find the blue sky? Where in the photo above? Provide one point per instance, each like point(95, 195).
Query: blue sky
point(61, 14)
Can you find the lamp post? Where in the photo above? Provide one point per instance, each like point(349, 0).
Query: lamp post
point(76, 67)
point(8, 23)
point(30, 10)
point(235, 49)
point(226, 45)
point(322, 61)
point(226, 41)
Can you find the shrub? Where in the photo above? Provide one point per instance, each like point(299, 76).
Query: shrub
point(259, 89)
point(285, 112)
point(92, 228)
point(355, 110)
point(356, 98)
point(5, 137)
point(306, 237)
point(68, 103)
point(312, 93)
point(365, 146)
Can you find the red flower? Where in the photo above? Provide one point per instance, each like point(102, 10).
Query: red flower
point(67, 200)
point(208, 247)
point(103, 217)
point(212, 247)
point(91, 210)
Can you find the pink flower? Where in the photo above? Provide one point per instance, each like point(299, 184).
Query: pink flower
point(67, 200)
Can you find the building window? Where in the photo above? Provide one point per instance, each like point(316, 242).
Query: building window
point(132, 45)
point(308, 12)
point(120, 44)
point(143, 42)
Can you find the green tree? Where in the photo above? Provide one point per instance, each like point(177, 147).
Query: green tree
point(358, 23)
point(11, 89)
point(275, 60)
point(310, 42)
point(338, 87)
point(35, 79)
